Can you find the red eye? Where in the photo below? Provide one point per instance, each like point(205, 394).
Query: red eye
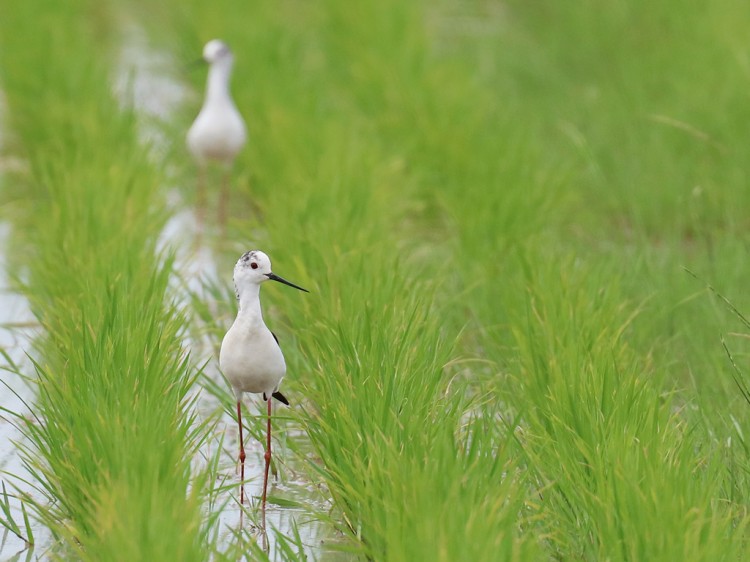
point(254, 265)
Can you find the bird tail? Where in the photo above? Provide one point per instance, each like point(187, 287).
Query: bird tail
point(280, 397)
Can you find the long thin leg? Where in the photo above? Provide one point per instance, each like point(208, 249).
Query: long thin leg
point(242, 455)
point(200, 198)
point(223, 197)
point(268, 454)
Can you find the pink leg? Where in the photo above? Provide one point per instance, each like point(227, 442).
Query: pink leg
point(200, 198)
point(268, 455)
point(242, 455)
point(223, 197)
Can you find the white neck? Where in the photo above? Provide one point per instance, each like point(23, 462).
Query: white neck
point(217, 89)
point(250, 311)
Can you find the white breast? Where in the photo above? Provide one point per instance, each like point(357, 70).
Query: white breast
point(251, 359)
point(218, 133)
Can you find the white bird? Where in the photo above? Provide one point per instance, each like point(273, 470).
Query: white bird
point(250, 356)
point(218, 133)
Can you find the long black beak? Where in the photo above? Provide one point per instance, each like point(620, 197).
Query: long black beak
point(274, 277)
point(192, 65)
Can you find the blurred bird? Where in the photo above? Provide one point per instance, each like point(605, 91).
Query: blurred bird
point(250, 356)
point(218, 133)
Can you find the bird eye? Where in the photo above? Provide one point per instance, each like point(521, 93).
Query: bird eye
point(254, 265)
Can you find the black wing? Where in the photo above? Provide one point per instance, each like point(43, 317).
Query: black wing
point(280, 397)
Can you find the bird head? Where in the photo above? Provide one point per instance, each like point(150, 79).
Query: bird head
point(215, 51)
point(254, 268)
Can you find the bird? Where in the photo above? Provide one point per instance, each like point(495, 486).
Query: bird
point(250, 356)
point(218, 133)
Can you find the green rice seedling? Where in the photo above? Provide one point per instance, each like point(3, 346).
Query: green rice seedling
point(675, 163)
point(114, 434)
point(8, 520)
point(628, 478)
point(677, 331)
point(657, 195)
point(726, 419)
point(532, 187)
point(385, 424)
